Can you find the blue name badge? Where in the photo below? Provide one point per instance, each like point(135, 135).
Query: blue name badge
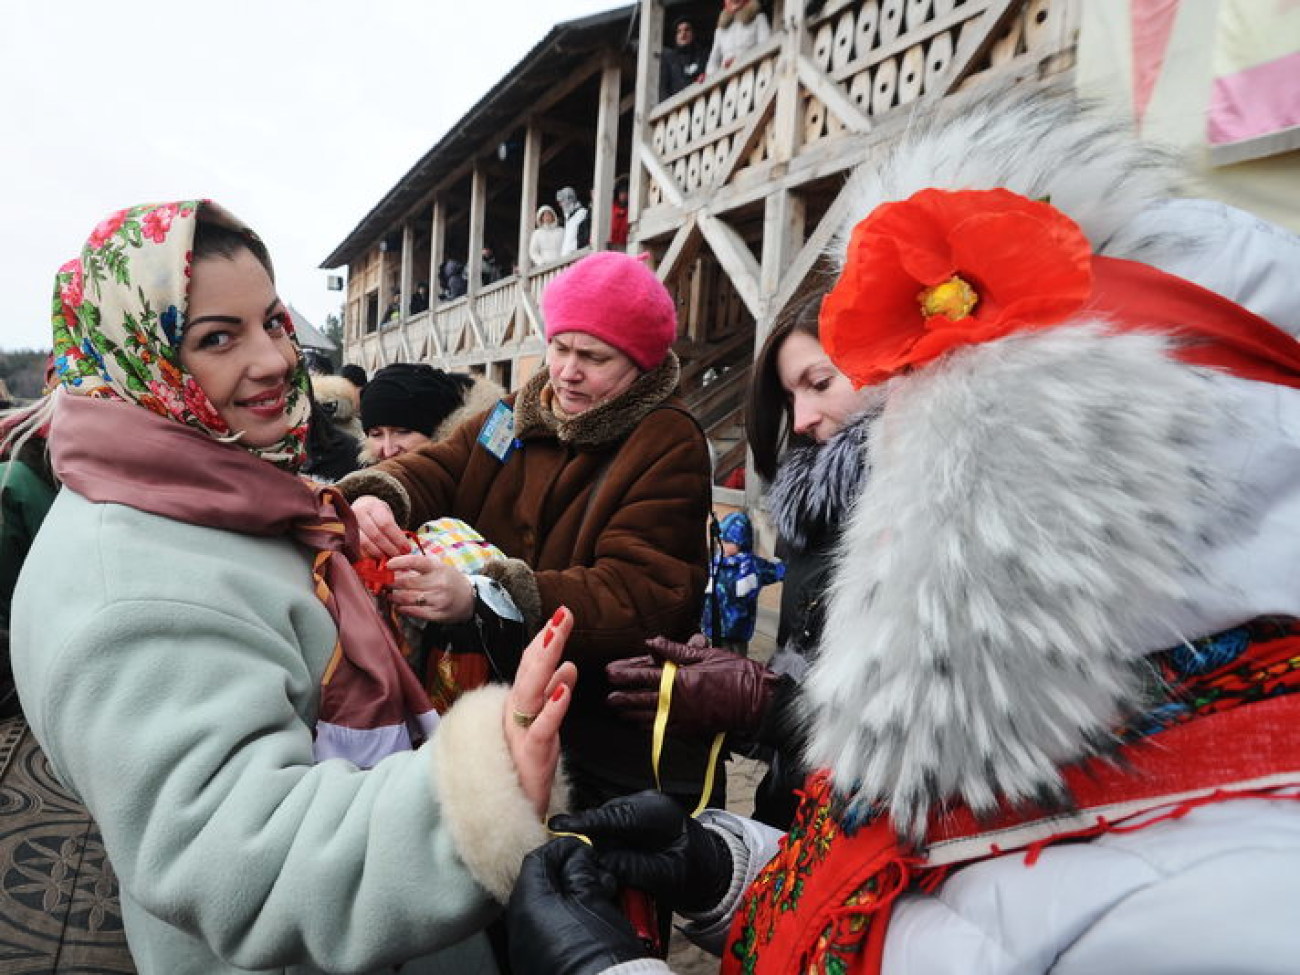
point(498, 433)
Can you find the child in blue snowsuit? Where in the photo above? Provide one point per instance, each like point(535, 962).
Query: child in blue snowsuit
point(736, 576)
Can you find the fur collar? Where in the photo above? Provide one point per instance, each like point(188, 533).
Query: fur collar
point(816, 485)
point(604, 424)
point(1036, 510)
point(745, 15)
point(480, 396)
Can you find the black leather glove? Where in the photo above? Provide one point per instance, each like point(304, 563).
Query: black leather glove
point(648, 842)
point(714, 690)
point(563, 916)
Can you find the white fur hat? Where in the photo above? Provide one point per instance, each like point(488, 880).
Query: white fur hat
point(1056, 492)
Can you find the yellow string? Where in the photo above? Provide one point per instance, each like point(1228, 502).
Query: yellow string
point(661, 726)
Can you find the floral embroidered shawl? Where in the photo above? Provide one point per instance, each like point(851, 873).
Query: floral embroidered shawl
point(119, 315)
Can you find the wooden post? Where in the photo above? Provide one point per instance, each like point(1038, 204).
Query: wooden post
point(408, 268)
point(384, 295)
point(437, 246)
point(784, 216)
point(528, 196)
point(606, 151)
point(477, 212)
point(786, 120)
point(647, 96)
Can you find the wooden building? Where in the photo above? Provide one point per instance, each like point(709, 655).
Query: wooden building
point(735, 183)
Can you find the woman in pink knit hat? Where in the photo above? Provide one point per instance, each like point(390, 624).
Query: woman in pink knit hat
point(594, 479)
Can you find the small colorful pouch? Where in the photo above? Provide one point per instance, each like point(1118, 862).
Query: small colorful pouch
point(457, 544)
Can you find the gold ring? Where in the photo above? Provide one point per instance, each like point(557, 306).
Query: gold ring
point(521, 719)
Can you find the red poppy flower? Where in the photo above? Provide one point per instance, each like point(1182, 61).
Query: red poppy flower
point(945, 269)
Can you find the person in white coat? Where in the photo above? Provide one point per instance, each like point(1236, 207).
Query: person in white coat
point(1055, 711)
point(742, 26)
point(547, 239)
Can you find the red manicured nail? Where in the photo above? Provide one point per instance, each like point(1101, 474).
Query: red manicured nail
point(558, 692)
point(558, 617)
point(547, 637)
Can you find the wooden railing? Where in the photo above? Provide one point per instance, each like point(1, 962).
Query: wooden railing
point(852, 64)
point(697, 132)
point(492, 324)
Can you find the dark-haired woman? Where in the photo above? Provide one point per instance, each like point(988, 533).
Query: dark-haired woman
point(203, 666)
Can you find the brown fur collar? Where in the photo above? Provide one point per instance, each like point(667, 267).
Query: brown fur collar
point(604, 424)
point(745, 14)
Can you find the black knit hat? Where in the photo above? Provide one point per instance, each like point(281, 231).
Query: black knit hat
point(412, 396)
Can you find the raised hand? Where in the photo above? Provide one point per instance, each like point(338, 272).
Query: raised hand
point(535, 708)
point(714, 690)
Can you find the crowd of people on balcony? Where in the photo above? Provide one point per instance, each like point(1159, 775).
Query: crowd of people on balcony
point(741, 26)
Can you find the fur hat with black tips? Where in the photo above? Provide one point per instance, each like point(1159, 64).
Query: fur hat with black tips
point(1088, 458)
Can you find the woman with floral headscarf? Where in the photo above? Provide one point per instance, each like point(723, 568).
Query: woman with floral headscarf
point(201, 661)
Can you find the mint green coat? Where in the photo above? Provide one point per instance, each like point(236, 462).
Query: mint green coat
point(171, 674)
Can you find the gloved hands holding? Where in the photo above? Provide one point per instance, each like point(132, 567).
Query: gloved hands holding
point(714, 690)
point(649, 842)
point(563, 917)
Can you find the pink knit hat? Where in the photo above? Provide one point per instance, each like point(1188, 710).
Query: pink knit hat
point(617, 299)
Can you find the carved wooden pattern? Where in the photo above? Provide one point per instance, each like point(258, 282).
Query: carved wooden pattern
point(884, 55)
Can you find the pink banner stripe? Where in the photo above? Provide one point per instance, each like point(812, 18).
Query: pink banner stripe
point(1254, 102)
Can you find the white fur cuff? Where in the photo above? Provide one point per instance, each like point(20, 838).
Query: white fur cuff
point(492, 822)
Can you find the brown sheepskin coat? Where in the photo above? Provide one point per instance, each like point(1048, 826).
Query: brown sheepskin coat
point(604, 513)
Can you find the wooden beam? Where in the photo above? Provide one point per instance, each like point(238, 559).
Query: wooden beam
point(685, 244)
point(746, 140)
point(646, 92)
point(650, 162)
point(784, 216)
point(407, 271)
point(567, 132)
point(831, 95)
point(477, 216)
point(602, 188)
point(534, 313)
point(437, 247)
point(980, 39)
point(384, 293)
point(797, 269)
point(528, 194)
point(475, 326)
point(535, 109)
point(736, 260)
point(786, 120)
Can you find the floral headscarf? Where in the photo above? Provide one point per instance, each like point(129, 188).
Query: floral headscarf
point(119, 313)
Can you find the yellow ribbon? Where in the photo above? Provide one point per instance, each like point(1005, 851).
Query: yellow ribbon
point(661, 726)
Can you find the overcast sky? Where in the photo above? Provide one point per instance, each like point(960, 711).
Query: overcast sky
point(297, 115)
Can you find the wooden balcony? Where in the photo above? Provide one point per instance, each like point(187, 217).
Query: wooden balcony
point(501, 321)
